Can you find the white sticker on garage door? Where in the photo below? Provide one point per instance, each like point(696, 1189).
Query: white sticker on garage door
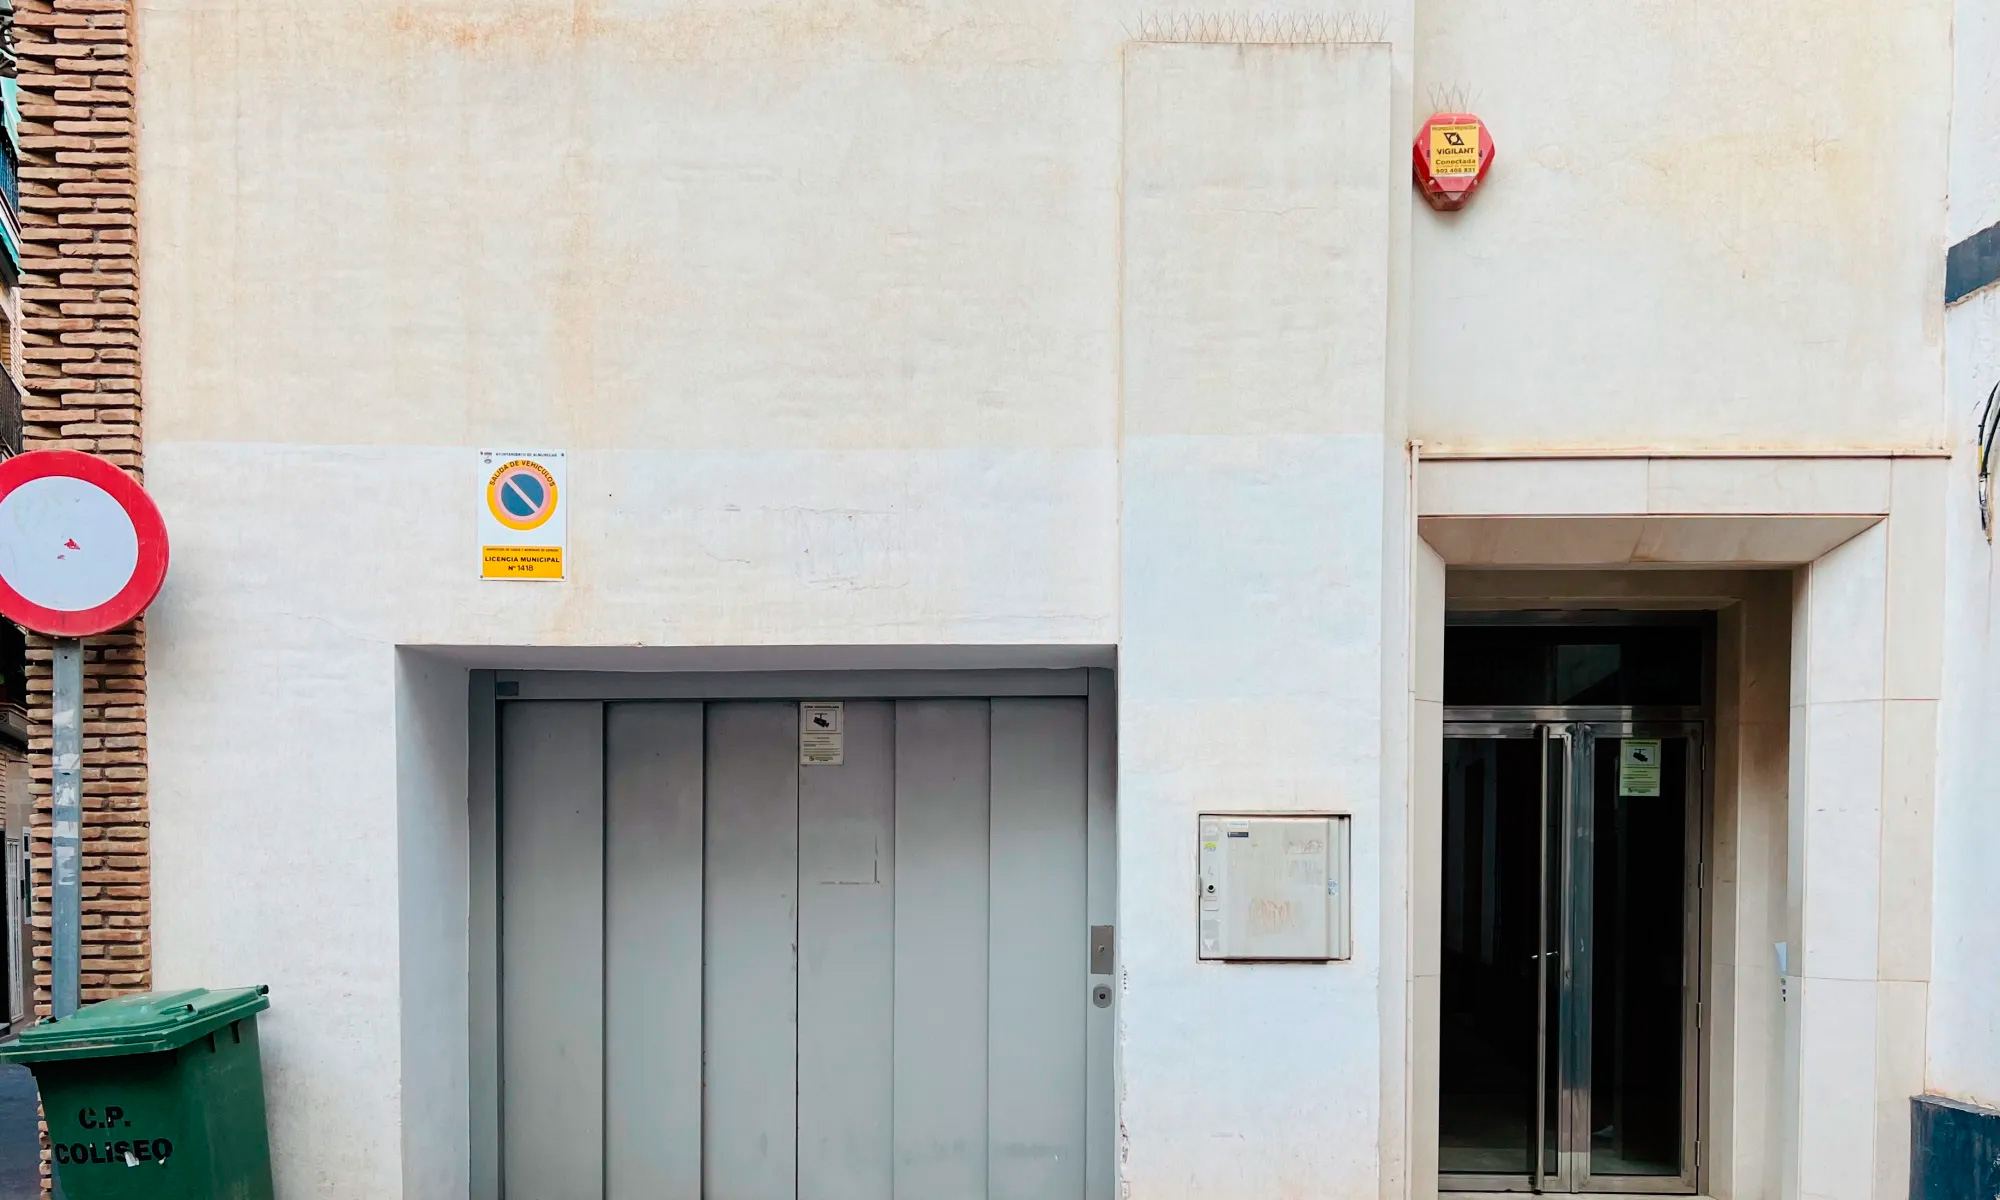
point(822, 741)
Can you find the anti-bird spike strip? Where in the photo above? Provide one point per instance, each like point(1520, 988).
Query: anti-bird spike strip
point(1261, 28)
point(1452, 97)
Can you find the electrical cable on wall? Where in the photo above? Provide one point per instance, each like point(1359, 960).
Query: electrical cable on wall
point(1989, 425)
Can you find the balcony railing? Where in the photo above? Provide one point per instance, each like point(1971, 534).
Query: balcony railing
point(10, 174)
point(10, 210)
point(10, 413)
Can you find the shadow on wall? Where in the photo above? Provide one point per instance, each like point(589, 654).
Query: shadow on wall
point(1954, 1149)
point(20, 1148)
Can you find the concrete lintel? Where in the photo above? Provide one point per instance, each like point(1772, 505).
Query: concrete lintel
point(1683, 541)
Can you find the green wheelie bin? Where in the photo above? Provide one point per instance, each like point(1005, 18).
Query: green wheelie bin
point(158, 1095)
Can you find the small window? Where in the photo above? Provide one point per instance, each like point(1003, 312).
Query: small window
point(1591, 664)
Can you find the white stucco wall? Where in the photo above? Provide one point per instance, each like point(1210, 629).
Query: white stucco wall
point(1706, 226)
point(830, 344)
point(1257, 196)
point(1964, 1042)
point(1975, 123)
point(1963, 1045)
point(832, 306)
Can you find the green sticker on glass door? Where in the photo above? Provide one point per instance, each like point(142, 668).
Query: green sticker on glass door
point(1639, 767)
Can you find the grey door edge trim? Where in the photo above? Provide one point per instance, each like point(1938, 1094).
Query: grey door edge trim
point(1483, 1184)
point(483, 937)
point(1007, 682)
point(1103, 1070)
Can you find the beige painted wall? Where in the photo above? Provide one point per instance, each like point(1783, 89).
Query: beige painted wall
point(1707, 226)
point(845, 224)
point(824, 300)
point(1964, 1037)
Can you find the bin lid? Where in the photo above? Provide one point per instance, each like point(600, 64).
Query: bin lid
point(141, 1024)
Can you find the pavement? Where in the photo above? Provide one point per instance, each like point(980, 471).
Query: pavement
point(20, 1148)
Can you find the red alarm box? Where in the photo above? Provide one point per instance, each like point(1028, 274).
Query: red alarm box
point(1451, 156)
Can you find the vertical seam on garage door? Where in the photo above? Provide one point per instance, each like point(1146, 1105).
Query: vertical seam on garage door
point(798, 966)
point(499, 960)
point(989, 948)
point(895, 964)
point(701, 965)
point(604, 942)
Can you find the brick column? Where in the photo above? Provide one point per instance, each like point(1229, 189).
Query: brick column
point(80, 318)
point(81, 356)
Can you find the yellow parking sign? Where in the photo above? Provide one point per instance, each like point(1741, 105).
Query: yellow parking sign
point(523, 526)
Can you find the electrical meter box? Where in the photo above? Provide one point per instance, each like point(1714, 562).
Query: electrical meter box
point(1273, 888)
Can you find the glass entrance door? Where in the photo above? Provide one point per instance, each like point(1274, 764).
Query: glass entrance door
point(1569, 910)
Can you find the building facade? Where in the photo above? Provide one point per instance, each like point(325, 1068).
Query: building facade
point(1327, 697)
point(16, 800)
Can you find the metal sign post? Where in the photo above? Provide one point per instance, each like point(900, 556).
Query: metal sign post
point(66, 837)
point(66, 831)
point(82, 551)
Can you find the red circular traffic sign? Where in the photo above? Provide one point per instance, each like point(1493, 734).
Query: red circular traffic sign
point(82, 547)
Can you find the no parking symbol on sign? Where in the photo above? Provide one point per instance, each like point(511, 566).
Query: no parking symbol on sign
point(523, 525)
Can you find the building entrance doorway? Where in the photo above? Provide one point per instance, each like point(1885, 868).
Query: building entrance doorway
point(1570, 906)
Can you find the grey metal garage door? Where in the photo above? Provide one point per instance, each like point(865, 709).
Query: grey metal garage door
point(727, 975)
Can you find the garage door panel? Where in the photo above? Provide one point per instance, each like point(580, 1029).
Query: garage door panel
point(653, 906)
point(847, 946)
point(726, 976)
point(942, 758)
point(551, 949)
point(750, 917)
point(1039, 952)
